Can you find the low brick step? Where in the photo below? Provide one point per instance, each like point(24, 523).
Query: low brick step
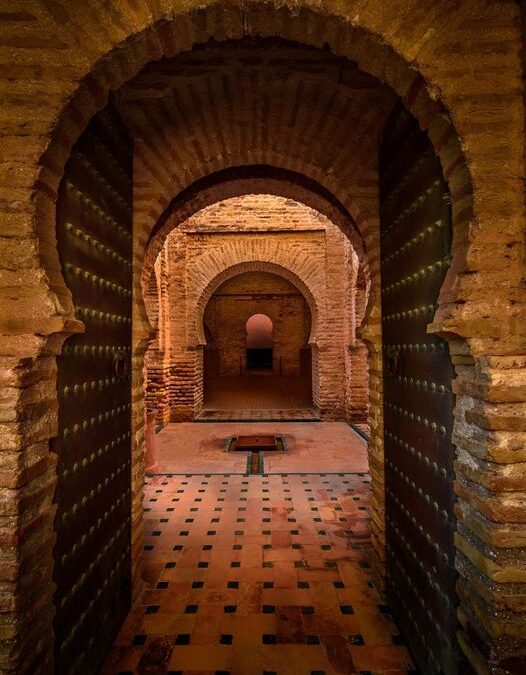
point(260, 415)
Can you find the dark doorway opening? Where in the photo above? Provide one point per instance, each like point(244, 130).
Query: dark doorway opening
point(259, 350)
point(259, 359)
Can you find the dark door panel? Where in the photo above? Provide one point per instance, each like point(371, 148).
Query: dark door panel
point(415, 228)
point(93, 446)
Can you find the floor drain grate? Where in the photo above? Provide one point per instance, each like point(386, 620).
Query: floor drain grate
point(255, 463)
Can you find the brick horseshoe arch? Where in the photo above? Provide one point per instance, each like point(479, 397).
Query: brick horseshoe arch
point(201, 295)
point(374, 48)
point(255, 179)
point(415, 51)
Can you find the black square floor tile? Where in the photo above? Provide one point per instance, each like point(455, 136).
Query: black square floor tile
point(152, 609)
point(202, 564)
point(198, 584)
point(191, 609)
point(303, 584)
point(139, 639)
point(268, 584)
point(338, 584)
point(356, 640)
point(268, 639)
point(268, 609)
point(162, 584)
point(313, 640)
point(182, 639)
point(230, 609)
point(307, 610)
point(346, 609)
point(226, 639)
point(233, 584)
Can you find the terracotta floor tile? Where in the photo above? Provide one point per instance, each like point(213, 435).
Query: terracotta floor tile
point(380, 658)
point(250, 573)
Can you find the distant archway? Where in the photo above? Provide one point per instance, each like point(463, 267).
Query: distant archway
point(259, 351)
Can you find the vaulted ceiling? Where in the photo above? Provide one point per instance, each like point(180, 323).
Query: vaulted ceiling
point(256, 101)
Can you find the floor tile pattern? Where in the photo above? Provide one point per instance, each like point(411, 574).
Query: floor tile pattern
point(258, 575)
point(259, 415)
point(311, 448)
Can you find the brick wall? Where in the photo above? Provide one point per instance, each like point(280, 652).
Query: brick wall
point(236, 300)
point(257, 235)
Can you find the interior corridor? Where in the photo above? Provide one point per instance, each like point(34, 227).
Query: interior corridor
point(259, 574)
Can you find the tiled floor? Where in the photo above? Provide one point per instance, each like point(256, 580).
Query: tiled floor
point(312, 448)
point(258, 574)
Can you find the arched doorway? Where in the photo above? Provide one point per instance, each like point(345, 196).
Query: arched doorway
point(404, 310)
point(259, 344)
point(259, 325)
point(98, 312)
point(441, 589)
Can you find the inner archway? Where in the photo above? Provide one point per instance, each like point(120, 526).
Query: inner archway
point(257, 361)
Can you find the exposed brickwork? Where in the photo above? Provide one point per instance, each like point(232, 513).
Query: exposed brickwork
point(449, 61)
point(249, 234)
point(236, 300)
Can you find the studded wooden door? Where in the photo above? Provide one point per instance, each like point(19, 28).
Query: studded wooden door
point(92, 552)
point(418, 402)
